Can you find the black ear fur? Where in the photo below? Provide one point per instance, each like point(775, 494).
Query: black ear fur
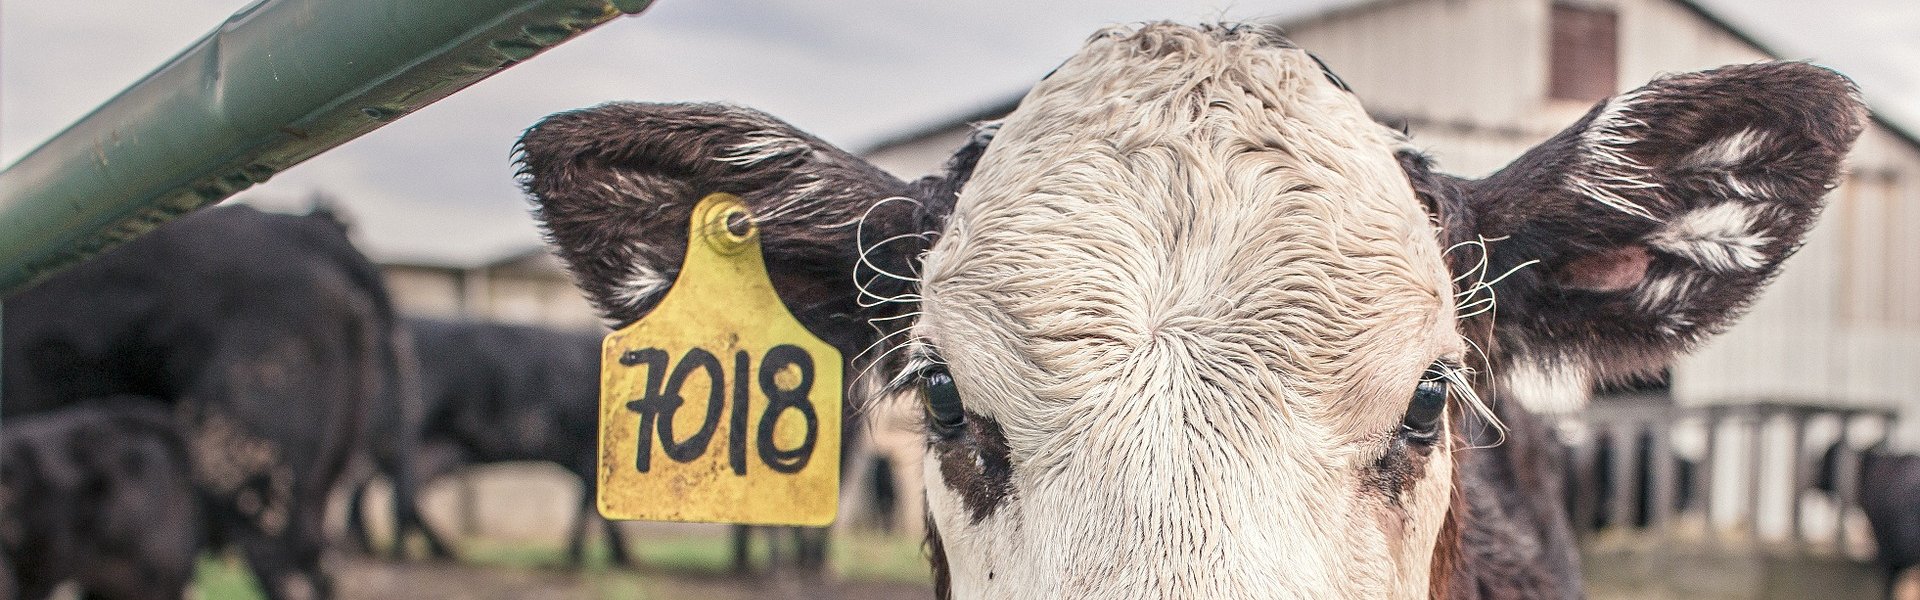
point(615, 185)
point(1657, 218)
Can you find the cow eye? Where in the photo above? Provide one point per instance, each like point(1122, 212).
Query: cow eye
point(1429, 403)
point(941, 400)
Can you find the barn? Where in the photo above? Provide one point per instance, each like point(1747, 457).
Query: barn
point(526, 285)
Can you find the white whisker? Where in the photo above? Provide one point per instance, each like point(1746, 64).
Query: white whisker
point(1462, 388)
point(876, 343)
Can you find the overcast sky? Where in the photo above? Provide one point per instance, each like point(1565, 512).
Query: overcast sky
point(437, 185)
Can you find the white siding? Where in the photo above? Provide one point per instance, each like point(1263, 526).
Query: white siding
point(1445, 61)
point(504, 295)
point(923, 156)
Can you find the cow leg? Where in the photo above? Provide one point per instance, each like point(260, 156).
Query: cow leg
point(286, 559)
point(577, 532)
point(584, 466)
point(1893, 583)
point(742, 538)
point(407, 520)
point(616, 542)
point(286, 568)
point(153, 586)
point(577, 537)
point(428, 462)
point(812, 551)
point(143, 576)
point(357, 518)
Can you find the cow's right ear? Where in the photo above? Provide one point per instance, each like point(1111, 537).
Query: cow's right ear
point(1651, 223)
point(616, 185)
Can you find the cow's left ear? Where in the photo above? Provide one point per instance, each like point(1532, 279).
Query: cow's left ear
point(1658, 217)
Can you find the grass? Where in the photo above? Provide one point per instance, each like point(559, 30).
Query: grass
point(865, 556)
point(858, 556)
point(225, 578)
point(693, 554)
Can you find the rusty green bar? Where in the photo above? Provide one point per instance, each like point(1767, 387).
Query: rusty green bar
point(277, 83)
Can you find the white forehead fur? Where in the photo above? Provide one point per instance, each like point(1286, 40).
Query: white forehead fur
point(1171, 193)
point(1192, 283)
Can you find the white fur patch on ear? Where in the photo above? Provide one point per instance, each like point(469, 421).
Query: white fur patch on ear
point(1720, 238)
point(1665, 295)
point(761, 146)
point(641, 283)
point(1727, 151)
point(1610, 170)
point(1558, 389)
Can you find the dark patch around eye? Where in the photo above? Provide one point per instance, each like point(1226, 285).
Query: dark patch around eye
point(974, 464)
point(1405, 461)
point(1395, 472)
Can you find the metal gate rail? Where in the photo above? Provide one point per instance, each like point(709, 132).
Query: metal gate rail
point(277, 83)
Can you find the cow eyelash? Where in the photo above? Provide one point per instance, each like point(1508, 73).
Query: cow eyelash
point(1461, 395)
point(920, 356)
point(925, 373)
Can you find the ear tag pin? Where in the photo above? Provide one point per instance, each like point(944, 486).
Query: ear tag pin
point(719, 406)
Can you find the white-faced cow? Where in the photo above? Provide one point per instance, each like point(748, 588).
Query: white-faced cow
point(1189, 324)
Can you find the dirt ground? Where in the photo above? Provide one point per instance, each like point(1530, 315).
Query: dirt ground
point(509, 521)
point(362, 578)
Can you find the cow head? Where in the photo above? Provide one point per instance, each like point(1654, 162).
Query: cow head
point(1188, 323)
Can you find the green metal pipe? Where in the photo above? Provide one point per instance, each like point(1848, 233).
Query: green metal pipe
point(277, 83)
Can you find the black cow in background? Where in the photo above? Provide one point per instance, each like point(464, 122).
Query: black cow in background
point(396, 448)
point(99, 493)
point(489, 393)
point(1889, 495)
point(269, 336)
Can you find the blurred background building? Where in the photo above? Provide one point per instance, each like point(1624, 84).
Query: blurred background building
point(529, 286)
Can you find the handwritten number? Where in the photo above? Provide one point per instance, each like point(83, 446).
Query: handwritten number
point(662, 400)
point(696, 444)
point(656, 361)
point(779, 400)
point(660, 405)
point(737, 431)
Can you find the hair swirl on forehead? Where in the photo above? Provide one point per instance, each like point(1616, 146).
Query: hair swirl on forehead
point(1207, 198)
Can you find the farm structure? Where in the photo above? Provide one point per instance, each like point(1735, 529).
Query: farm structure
point(527, 287)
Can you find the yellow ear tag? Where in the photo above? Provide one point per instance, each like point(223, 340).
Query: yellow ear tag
point(719, 406)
